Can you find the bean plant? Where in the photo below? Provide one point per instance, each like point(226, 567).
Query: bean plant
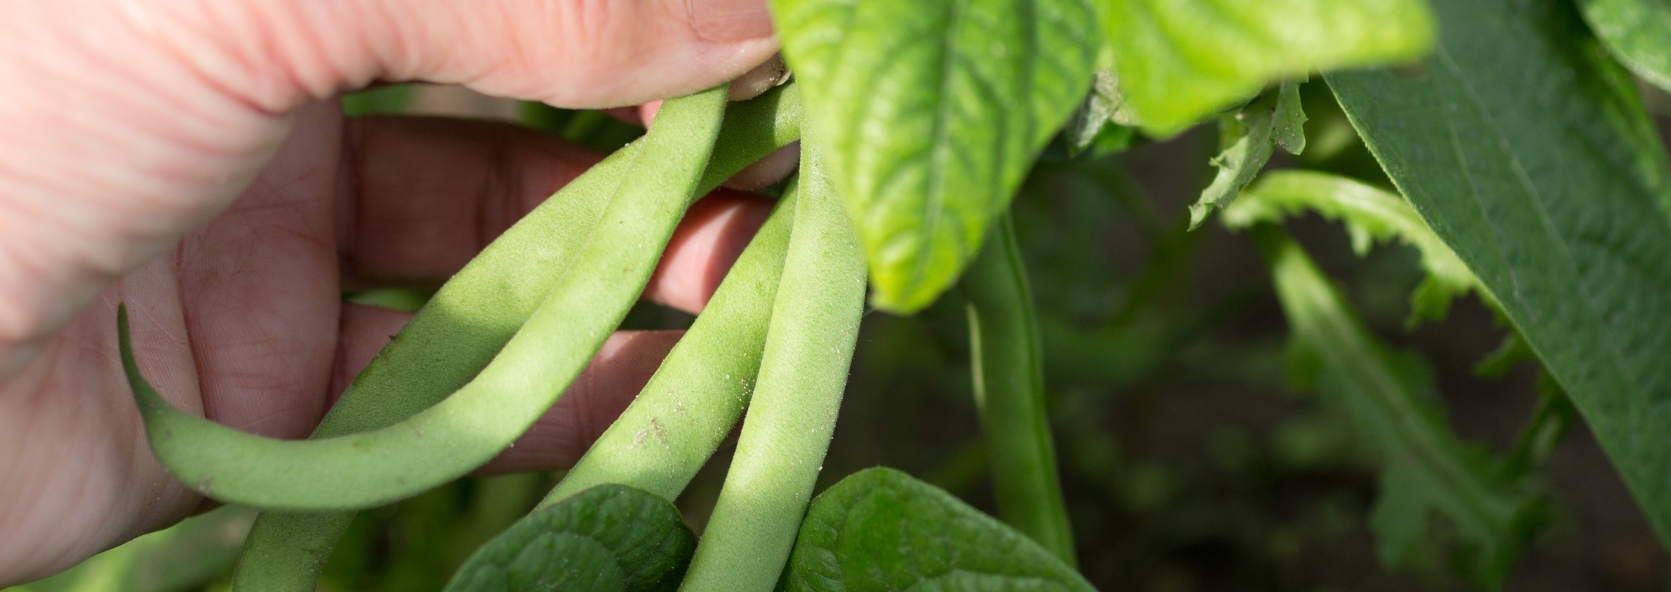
point(1515, 157)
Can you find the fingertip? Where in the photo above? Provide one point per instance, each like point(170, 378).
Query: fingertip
point(769, 170)
point(610, 383)
point(647, 112)
point(755, 82)
point(710, 238)
point(363, 331)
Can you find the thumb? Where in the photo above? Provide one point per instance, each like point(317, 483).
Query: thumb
point(130, 122)
point(575, 53)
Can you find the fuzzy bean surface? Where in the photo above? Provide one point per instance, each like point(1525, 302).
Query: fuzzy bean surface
point(285, 551)
point(474, 424)
point(803, 373)
point(694, 399)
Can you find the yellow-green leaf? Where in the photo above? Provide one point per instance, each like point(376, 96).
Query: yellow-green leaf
point(930, 114)
point(1180, 61)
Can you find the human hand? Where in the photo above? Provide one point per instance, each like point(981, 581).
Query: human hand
point(186, 157)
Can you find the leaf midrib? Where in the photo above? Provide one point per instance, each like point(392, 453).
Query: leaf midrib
point(934, 201)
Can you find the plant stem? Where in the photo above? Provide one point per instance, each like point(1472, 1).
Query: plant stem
point(815, 323)
point(1009, 392)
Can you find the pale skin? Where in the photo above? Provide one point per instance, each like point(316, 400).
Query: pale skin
point(188, 158)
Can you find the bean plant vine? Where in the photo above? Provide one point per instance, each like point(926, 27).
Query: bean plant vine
point(1515, 156)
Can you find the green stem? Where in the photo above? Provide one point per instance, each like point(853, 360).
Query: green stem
point(815, 323)
point(1009, 392)
point(695, 398)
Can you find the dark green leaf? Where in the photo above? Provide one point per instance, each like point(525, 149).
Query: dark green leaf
point(1247, 139)
point(1638, 32)
point(610, 537)
point(930, 114)
point(1425, 469)
point(880, 529)
point(1529, 153)
point(1179, 61)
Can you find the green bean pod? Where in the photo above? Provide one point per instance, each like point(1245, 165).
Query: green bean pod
point(803, 372)
point(441, 349)
point(458, 332)
point(695, 398)
point(1009, 393)
point(474, 424)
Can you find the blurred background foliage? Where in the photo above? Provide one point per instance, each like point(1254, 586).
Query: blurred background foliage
point(1189, 460)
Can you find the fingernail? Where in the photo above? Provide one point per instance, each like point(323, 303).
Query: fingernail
point(729, 20)
point(755, 82)
point(769, 170)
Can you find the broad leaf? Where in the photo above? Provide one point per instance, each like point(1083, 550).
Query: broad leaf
point(1638, 32)
point(930, 114)
point(1528, 152)
point(1371, 215)
point(1247, 139)
point(1179, 61)
point(880, 529)
point(608, 538)
point(1425, 469)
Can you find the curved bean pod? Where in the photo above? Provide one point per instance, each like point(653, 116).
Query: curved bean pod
point(809, 346)
point(1009, 393)
point(457, 333)
point(439, 351)
point(694, 399)
point(471, 426)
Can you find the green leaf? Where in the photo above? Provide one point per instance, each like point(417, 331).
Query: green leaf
point(1087, 122)
point(1371, 215)
point(930, 114)
point(1638, 32)
point(1510, 353)
point(1550, 420)
point(610, 537)
point(1101, 123)
point(1179, 61)
point(1247, 138)
point(1529, 153)
point(879, 529)
point(1425, 468)
point(1288, 123)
